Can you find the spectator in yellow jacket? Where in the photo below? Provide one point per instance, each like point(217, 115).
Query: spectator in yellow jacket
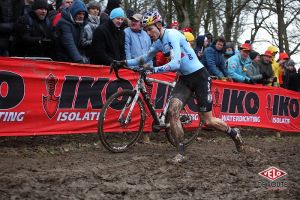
point(275, 65)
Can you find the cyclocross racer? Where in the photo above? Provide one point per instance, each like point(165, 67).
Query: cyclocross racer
point(194, 78)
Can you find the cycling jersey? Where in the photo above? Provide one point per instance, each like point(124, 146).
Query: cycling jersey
point(183, 57)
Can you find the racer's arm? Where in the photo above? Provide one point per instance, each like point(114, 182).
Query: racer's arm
point(175, 54)
point(141, 60)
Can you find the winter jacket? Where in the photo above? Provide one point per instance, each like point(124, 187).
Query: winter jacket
point(10, 11)
point(267, 72)
point(69, 34)
point(214, 61)
point(136, 43)
point(253, 72)
point(237, 67)
point(108, 44)
point(34, 36)
point(93, 22)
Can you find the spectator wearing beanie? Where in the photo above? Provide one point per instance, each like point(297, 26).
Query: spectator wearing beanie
point(94, 9)
point(289, 71)
point(229, 50)
point(109, 40)
point(69, 31)
point(253, 71)
point(293, 82)
point(34, 32)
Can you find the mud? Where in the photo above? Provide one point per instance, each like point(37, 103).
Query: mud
point(78, 167)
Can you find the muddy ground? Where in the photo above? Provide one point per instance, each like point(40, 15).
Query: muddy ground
point(78, 167)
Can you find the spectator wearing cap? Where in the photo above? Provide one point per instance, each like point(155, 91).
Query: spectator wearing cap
point(238, 64)
point(94, 9)
point(137, 41)
point(253, 71)
point(174, 25)
point(69, 30)
point(266, 70)
point(282, 60)
point(213, 58)
point(109, 40)
point(275, 65)
point(111, 4)
point(187, 29)
point(34, 36)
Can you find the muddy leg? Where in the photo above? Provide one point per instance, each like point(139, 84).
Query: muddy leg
point(175, 124)
point(220, 125)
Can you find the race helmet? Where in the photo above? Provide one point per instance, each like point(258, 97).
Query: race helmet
point(150, 18)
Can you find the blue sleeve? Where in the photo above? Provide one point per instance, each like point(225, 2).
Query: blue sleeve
point(175, 54)
point(144, 58)
point(127, 45)
point(210, 55)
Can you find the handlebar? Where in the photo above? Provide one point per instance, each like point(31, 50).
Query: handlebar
point(143, 73)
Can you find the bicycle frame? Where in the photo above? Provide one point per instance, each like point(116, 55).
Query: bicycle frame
point(140, 89)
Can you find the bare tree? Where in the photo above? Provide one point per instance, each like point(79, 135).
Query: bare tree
point(233, 9)
point(282, 27)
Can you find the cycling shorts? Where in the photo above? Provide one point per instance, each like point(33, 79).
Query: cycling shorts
point(197, 83)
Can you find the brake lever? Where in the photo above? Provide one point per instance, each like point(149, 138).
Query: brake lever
point(116, 71)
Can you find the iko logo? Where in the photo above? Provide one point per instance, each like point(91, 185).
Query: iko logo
point(272, 173)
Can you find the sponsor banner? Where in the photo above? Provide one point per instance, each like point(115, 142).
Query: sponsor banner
point(40, 97)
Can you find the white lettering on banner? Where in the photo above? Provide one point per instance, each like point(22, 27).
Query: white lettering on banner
point(12, 116)
point(278, 120)
point(77, 116)
point(232, 118)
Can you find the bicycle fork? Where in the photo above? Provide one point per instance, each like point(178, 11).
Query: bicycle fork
point(131, 101)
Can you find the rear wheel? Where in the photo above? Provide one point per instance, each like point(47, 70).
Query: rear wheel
point(119, 131)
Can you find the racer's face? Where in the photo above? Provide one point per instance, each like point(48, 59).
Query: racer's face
point(153, 32)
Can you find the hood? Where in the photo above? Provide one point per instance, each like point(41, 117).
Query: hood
point(78, 6)
point(200, 41)
point(272, 49)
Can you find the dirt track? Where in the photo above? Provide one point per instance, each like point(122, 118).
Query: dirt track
point(78, 167)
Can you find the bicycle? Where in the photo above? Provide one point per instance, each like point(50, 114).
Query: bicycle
point(124, 114)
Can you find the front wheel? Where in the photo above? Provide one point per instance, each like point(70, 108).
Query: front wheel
point(121, 121)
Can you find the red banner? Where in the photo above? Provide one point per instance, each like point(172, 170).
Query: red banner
point(39, 98)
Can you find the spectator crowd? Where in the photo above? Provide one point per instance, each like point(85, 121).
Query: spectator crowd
point(71, 31)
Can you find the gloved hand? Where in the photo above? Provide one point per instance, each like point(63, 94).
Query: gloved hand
point(46, 40)
point(148, 67)
point(249, 81)
point(223, 78)
point(264, 75)
point(118, 64)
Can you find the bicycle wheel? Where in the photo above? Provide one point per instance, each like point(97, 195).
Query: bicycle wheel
point(117, 134)
point(191, 130)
